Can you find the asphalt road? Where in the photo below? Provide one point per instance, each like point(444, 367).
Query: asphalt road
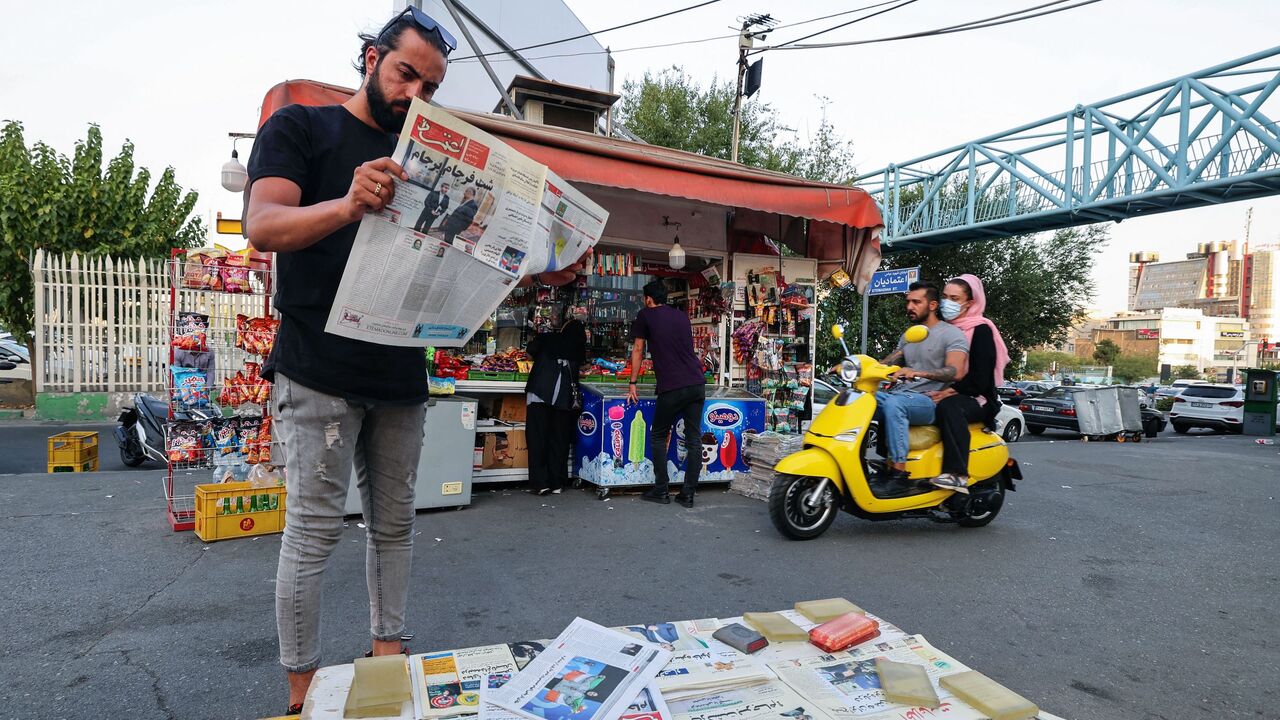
point(1120, 581)
point(24, 446)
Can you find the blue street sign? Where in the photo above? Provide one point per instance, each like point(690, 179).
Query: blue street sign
point(888, 282)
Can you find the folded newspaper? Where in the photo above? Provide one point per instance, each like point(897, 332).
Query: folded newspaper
point(648, 705)
point(448, 684)
point(589, 672)
point(846, 686)
point(473, 218)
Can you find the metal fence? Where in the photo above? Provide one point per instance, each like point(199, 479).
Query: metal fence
point(102, 324)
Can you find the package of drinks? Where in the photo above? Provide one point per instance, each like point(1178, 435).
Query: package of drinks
point(845, 631)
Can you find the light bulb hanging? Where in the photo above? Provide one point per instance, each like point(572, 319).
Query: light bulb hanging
point(675, 257)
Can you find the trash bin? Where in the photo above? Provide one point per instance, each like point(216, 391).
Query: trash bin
point(1098, 412)
point(1130, 400)
point(1260, 402)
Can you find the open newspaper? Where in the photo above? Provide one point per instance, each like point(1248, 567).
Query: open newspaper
point(589, 672)
point(846, 686)
point(473, 218)
point(772, 700)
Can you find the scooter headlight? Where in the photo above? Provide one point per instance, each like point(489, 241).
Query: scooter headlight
point(849, 370)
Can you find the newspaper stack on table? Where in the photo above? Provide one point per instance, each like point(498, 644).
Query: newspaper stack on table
point(474, 216)
point(661, 671)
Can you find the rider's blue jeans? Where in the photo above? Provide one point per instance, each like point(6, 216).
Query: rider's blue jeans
point(896, 411)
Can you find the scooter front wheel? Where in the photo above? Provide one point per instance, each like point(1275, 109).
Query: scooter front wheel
point(130, 454)
point(802, 507)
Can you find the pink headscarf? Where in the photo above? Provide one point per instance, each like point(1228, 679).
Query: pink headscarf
point(973, 317)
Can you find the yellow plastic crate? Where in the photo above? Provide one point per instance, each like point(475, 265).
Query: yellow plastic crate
point(232, 510)
point(73, 452)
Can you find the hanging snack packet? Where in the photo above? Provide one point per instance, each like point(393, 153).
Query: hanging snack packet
point(184, 443)
point(193, 272)
point(249, 441)
point(211, 274)
point(191, 332)
point(261, 336)
point(190, 387)
point(226, 438)
point(264, 441)
point(235, 272)
point(242, 329)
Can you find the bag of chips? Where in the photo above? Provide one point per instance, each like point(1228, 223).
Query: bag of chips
point(264, 441)
point(235, 272)
point(249, 441)
point(191, 332)
point(226, 437)
point(190, 387)
point(184, 443)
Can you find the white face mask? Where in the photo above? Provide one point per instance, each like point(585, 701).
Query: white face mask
point(949, 309)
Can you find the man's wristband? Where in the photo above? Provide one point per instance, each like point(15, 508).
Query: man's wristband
point(633, 382)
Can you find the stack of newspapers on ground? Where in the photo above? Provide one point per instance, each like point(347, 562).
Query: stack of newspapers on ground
point(762, 451)
point(679, 671)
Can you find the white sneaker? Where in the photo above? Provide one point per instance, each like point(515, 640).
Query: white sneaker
point(556, 491)
point(947, 481)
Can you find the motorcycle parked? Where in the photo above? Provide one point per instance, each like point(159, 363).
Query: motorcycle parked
point(832, 472)
point(141, 432)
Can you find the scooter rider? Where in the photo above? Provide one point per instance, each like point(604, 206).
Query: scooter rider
point(933, 364)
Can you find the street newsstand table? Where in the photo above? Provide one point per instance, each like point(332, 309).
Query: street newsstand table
point(328, 693)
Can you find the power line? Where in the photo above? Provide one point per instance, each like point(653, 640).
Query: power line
point(963, 27)
point(904, 3)
point(590, 34)
point(473, 58)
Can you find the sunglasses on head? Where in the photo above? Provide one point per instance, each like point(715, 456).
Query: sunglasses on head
point(427, 24)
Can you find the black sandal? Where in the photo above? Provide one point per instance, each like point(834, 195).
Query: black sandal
point(404, 645)
point(294, 709)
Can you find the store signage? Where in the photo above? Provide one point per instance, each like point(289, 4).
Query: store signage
point(586, 423)
point(889, 282)
point(1231, 334)
point(723, 417)
point(1149, 333)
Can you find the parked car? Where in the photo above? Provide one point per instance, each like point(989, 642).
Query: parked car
point(1056, 410)
point(1009, 421)
point(15, 362)
point(1015, 391)
point(1205, 405)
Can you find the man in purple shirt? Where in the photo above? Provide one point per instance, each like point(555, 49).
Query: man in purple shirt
point(681, 389)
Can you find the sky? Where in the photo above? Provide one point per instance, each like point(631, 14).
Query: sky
point(176, 77)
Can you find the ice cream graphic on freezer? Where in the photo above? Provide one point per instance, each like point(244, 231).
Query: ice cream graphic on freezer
point(639, 434)
point(616, 413)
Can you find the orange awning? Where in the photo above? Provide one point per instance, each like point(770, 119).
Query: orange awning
point(845, 220)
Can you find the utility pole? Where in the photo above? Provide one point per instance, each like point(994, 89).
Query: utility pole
point(746, 39)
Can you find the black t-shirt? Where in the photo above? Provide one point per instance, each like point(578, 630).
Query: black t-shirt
point(319, 148)
point(980, 379)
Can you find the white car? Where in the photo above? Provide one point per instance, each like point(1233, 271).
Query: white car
point(1009, 421)
point(15, 362)
point(1207, 405)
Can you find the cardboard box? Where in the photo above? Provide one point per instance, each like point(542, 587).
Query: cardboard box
point(518, 449)
point(505, 450)
point(512, 408)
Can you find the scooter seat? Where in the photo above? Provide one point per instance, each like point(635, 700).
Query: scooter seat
point(922, 437)
point(158, 408)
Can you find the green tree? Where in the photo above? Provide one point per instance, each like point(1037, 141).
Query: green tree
point(1186, 372)
point(62, 204)
point(1132, 368)
point(1106, 352)
point(1041, 362)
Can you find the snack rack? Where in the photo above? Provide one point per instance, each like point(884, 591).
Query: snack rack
point(217, 407)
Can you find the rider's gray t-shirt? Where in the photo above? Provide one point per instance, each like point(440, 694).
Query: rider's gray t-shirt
point(931, 354)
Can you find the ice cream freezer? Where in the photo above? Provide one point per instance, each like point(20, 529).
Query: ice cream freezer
point(445, 466)
point(612, 446)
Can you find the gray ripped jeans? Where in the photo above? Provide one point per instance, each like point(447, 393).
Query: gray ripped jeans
point(324, 437)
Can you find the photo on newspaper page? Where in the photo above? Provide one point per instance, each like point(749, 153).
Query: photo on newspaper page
point(448, 684)
point(433, 265)
point(569, 223)
point(589, 672)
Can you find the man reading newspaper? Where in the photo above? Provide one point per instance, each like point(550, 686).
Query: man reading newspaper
point(314, 173)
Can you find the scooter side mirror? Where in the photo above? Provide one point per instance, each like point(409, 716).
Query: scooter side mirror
point(837, 331)
point(916, 333)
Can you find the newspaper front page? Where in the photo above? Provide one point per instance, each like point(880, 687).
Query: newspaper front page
point(448, 684)
point(474, 216)
point(589, 672)
point(846, 685)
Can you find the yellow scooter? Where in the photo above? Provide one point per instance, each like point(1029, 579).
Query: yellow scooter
point(832, 472)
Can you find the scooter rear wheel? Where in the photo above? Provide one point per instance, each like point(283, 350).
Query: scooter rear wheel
point(131, 455)
point(792, 512)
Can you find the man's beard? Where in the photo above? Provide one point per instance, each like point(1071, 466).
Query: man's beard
point(383, 111)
